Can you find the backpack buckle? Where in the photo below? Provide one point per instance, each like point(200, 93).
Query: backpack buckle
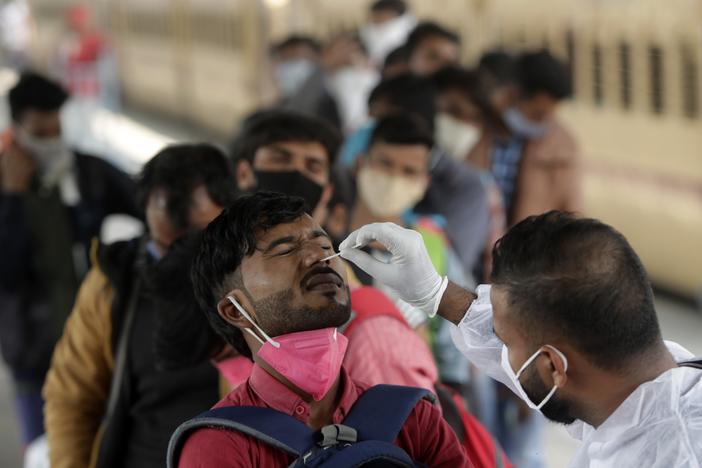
point(335, 433)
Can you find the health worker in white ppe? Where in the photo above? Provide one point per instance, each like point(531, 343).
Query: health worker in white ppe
point(569, 325)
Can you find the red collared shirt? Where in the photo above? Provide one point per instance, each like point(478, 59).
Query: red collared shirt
point(425, 436)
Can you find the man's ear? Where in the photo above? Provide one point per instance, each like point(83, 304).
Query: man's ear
point(245, 178)
point(557, 367)
point(231, 314)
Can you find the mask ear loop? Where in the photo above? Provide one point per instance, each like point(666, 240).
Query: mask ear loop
point(241, 310)
point(537, 353)
point(553, 390)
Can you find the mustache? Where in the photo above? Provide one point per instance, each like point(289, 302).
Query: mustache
point(319, 270)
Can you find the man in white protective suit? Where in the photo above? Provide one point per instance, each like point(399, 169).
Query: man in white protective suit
point(569, 325)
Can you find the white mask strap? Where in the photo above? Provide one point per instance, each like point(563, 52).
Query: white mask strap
point(248, 317)
point(536, 354)
point(548, 397)
point(555, 387)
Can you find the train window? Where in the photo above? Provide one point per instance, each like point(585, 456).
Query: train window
point(655, 61)
point(597, 75)
point(690, 81)
point(625, 89)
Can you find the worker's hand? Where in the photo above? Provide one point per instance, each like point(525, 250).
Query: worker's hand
point(16, 170)
point(410, 272)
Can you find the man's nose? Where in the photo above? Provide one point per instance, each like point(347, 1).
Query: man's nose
point(313, 253)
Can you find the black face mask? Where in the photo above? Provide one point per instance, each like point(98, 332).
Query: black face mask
point(290, 183)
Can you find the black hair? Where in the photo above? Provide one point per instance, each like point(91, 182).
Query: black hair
point(398, 6)
point(397, 55)
point(497, 67)
point(468, 82)
point(295, 41)
point(425, 30)
point(276, 126)
point(181, 168)
point(538, 72)
point(34, 91)
point(402, 129)
point(408, 93)
point(226, 242)
point(182, 335)
point(578, 280)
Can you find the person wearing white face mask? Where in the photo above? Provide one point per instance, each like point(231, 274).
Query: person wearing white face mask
point(387, 29)
point(392, 177)
point(462, 108)
point(349, 79)
point(569, 325)
point(52, 203)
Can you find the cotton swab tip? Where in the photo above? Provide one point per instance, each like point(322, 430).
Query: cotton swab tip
point(338, 254)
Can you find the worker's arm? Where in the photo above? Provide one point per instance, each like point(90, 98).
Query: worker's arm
point(78, 383)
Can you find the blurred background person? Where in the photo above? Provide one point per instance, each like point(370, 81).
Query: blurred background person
point(389, 23)
point(80, 52)
point(52, 204)
point(532, 156)
point(392, 177)
point(329, 81)
point(463, 110)
point(430, 47)
point(299, 78)
point(16, 33)
point(287, 152)
point(118, 384)
point(465, 117)
point(396, 63)
point(455, 191)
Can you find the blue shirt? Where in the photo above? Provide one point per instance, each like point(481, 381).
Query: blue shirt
point(506, 155)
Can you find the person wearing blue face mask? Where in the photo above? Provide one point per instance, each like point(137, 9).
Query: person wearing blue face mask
point(532, 156)
point(299, 76)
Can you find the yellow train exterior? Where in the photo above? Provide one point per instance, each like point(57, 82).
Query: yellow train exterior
point(637, 67)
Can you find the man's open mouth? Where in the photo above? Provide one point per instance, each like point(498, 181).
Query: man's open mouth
point(323, 278)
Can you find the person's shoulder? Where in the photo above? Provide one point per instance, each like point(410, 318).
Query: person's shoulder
point(214, 447)
point(559, 145)
point(211, 446)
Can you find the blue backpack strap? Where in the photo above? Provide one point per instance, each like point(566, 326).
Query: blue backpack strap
point(276, 429)
point(381, 411)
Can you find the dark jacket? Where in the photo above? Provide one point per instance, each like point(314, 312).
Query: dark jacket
point(29, 325)
point(88, 425)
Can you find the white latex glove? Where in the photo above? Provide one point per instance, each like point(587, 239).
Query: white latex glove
point(409, 273)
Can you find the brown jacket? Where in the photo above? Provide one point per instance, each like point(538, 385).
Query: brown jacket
point(549, 174)
point(78, 384)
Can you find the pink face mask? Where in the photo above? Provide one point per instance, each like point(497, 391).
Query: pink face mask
point(310, 360)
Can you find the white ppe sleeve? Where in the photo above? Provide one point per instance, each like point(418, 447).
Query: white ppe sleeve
point(475, 338)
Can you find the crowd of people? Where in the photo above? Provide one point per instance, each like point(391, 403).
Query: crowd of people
point(429, 177)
